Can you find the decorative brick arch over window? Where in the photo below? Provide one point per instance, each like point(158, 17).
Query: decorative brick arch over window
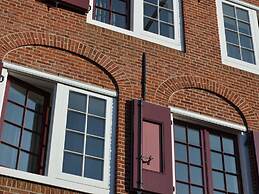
point(16, 40)
point(167, 88)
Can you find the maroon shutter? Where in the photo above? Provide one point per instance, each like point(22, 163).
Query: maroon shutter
point(256, 151)
point(156, 166)
point(83, 4)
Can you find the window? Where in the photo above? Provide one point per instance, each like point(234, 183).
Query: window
point(71, 145)
point(204, 156)
point(158, 21)
point(239, 35)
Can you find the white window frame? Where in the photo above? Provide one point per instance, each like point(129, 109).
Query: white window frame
point(252, 11)
point(53, 173)
point(137, 27)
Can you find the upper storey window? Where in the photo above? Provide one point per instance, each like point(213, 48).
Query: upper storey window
point(238, 25)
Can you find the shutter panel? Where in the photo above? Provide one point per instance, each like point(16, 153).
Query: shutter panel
point(156, 166)
point(83, 4)
point(256, 152)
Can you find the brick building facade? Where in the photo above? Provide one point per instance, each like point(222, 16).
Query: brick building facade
point(64, 46)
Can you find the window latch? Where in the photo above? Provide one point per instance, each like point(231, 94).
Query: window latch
point(1, 78)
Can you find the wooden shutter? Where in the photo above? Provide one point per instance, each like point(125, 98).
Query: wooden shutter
point(256, 157)
point(156, 145)
point(83, 4)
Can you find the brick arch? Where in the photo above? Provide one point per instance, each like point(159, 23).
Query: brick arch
point(167, 89)
point(16, 40)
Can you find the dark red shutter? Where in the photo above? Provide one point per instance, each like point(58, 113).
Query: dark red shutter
point(156, 167)
point(256, 151)
point(83, 4)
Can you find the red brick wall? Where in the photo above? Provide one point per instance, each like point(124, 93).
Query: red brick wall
point(112, 60)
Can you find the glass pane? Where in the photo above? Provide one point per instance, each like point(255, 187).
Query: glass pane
point(246, 41)
point(230, 23)
point(93, 168)
point(102, 16)
point(218, 180)
point(229, 10)
point(35, 101)
point(119, 20)
point(233, 51)
point(196, 175)
point(248, 56)
point(216, 161)
point(232, 37)
point(74, 142)
point(230, 164)
point(166, 16)
point(180, 152)
point(72, 164)
point(119, 6)
point(217, 192)
point(242, 14)
point(150, 10)
point(103, 3)
point(96, 126)
point(152, 1)
point(97, 106)
point(76, 121)
point(215, 143)
point(150, 25)
point(11, 134)
point(8, 156)
point(167, 30)
point(14, 113)
point(94, 147)
point(194, 155)
point(196, 190)
point(33, 121)
point(77, 101)
point(179, 133)
point(17, 94)
point(167, 4)
point(27, 162)
point(228, 145)
point(182, 188)
point(232, 185)
point(181, 172)
point(30, 142)
point(244, 28)
point(193, 137)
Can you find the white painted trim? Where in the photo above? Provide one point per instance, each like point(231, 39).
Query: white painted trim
point(173, 154)
point(58, 79)
point(208, 119)
point(2, 89)
point(242, 3)
point(136, 30)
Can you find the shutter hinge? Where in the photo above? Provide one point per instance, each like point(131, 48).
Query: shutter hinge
point(1, 78)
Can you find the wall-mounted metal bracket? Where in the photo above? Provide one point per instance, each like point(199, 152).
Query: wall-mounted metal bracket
point(1, 78)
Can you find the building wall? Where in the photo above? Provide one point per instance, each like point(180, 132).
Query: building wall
point(62, 43)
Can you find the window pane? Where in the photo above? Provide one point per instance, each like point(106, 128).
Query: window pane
point(217, 192)
point(33, 121)
point(27, 162)
point(180, 152)
point(194, 155)
point(14, 113)
point(166, 16)
point(232, 185)
point(152, 1)
point(244, 28)
point(182, 188)
point(30, 142)
point(72, 164)
point(248, 56)
point(229, 10)
point(17, 94)
point(119, 6)
point(242, 14)
point(119, 20)
point(11, 134)
point(230, 23)
point(193, 137)
point(196, 190)
point(233, 51)
point(103, 3)
point(218, 180)
point(150, 10)
point(74, 142)
point(215, 143)
point(167, 30)
point(102, 16)
point(181, 172)
point(35, 101)
point(216, 161)
point(179, 133)
point(246, 42)
point(232, 37)
point(76, 121)
point(93, 168)
point(77, 101)
point(94, 147)
point(96, 126)
point(228, 145)
point(8, 156)
point(167, 4)
point(150, 25)
point(230, 164)
point(196, 175)
point(97, 106)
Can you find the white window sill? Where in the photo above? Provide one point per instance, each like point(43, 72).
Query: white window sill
point(51, 181)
